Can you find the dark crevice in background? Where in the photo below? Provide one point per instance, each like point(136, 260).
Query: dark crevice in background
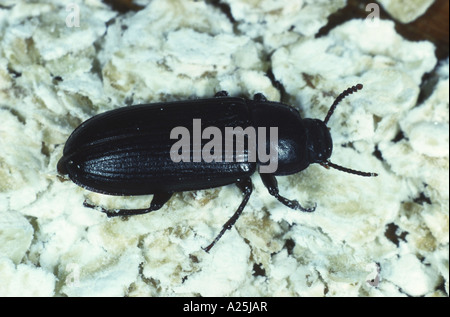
point(432, 26)
point(224, 7)
point(289, 246)
point(258, 270)
point(123, 6)
point(399, 136)
point(394, 234)
point(428, 85)
point(278, 85)
point(422, 199)
point(377, 153)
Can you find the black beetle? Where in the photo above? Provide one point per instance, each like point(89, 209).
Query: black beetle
point(129, 151)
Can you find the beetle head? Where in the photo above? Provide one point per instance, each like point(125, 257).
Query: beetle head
point(319, 143)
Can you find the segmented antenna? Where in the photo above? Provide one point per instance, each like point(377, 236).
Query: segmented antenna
point(328, 164)
point(339, 98)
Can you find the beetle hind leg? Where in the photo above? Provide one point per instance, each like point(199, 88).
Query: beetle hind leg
point(159, 200)
point(246, 186)
point(271, 184)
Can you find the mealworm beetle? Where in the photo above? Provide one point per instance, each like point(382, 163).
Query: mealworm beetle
point(129, 151)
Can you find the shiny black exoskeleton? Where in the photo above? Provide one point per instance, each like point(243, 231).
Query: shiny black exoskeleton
point(128, 151)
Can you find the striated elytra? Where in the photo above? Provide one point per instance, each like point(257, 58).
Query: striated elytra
point(137, 150)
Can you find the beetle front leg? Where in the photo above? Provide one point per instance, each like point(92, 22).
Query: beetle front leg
point(271, 184)
point(246, 186)
point(159, 200)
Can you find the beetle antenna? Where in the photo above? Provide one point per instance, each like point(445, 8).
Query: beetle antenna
point(339, 98)
point(328, 164)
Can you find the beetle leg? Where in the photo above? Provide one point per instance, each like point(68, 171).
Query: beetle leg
point(246, 186)
point(159, 199)
point(259, 97)
point(221, 93)
point(271, 184)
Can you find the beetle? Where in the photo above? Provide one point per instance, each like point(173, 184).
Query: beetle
point(127, 151)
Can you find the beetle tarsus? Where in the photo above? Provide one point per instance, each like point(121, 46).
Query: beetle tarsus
point(246, 186)
point(271, 184)
point(158, 201)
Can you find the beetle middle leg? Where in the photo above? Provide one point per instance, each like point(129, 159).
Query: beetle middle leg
point(246, 186)
point(159, 200)
point(271, 184)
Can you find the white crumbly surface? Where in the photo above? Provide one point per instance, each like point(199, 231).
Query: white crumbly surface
point(367, 237)
point(406, 11)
